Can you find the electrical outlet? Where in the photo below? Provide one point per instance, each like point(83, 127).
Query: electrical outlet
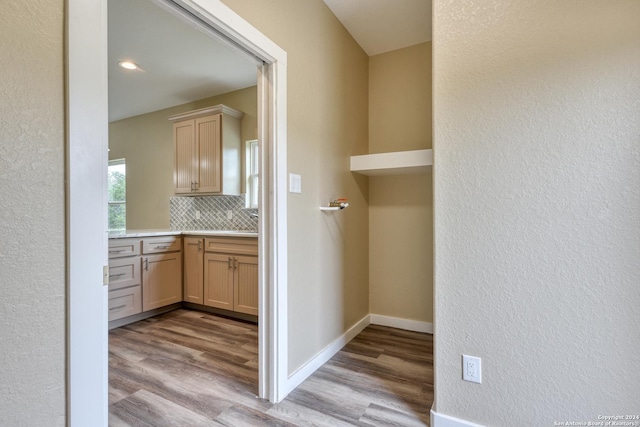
point(197, 214)
point(472, 369)
point(229, 214)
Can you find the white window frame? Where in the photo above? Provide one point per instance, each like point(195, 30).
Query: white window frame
point(117, 162)
point(252, 173)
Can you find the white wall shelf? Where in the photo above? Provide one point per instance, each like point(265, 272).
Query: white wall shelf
point(334, 208)
point(395, 163)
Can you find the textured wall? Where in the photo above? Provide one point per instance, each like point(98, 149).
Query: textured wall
point(32, 251)
point(146, 143)
point(537, 208)
point(400, 208)
point(327, 122)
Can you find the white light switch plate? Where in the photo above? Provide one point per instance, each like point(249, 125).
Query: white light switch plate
point(295, 183)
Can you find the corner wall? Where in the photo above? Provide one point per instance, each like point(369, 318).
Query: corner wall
point(32, 218)
point(537, 209)
point(400, 207)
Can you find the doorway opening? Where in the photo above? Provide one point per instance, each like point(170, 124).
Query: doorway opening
point(86, 196)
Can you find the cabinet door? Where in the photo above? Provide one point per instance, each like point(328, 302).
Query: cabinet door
point(161, 280)
point(209, 168)
point(246, 284)
point(218, 281)
point(193, 270)
point(184, 173)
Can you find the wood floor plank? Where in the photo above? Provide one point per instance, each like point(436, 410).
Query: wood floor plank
point(304, 415)
point(337, 400)
point(377, 415)
point(199, 398)
point(388, 394)
point(191, 368)
point(240, 415)
point(137, 346)
point(231, 351)
point(149, 409)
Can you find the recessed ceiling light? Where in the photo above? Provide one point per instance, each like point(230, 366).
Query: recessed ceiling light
point(128, 65)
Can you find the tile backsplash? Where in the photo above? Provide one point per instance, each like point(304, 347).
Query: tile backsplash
point(213, 213)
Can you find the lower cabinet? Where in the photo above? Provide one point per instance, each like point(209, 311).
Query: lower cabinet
point(161, 272)
point(231, 282)
point(125, 297)
point(231, 274)
point(153, 272)
point(193, 280)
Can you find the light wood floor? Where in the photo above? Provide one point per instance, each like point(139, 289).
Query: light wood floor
point(187, 368)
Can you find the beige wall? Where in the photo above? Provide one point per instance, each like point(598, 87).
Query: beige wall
point(400, 208)
point(146, 143)
point(537, 209)
point(400, 99)
point(327, 122)
point(32, 249)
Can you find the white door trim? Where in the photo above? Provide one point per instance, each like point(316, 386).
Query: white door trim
point(87, 144)
point(86, 212)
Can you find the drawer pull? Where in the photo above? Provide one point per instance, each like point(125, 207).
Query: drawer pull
point(199, 244)
point(117, 307)
point(117, 251)
point(162, 247)
point(116, 275)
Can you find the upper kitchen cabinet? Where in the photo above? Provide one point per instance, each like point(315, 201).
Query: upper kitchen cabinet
point(207, 151)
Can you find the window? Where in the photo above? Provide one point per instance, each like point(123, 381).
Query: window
point(251, 163)
point(117, 189)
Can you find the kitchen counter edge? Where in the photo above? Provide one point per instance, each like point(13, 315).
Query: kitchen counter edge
point(157, 233)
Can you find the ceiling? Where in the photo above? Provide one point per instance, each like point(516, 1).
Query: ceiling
point(384, 25)
point(180, 63)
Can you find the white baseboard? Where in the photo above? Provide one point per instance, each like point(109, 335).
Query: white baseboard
point(397, 322)
point(324, 355)
point(441, 420)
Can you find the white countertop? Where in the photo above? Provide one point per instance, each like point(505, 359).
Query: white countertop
point(160, 232)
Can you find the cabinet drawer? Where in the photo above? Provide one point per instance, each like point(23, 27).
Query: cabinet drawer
point(124, 302)
point(124, 272)
point(232, 245)
point(156, 245)
point(119, 248)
